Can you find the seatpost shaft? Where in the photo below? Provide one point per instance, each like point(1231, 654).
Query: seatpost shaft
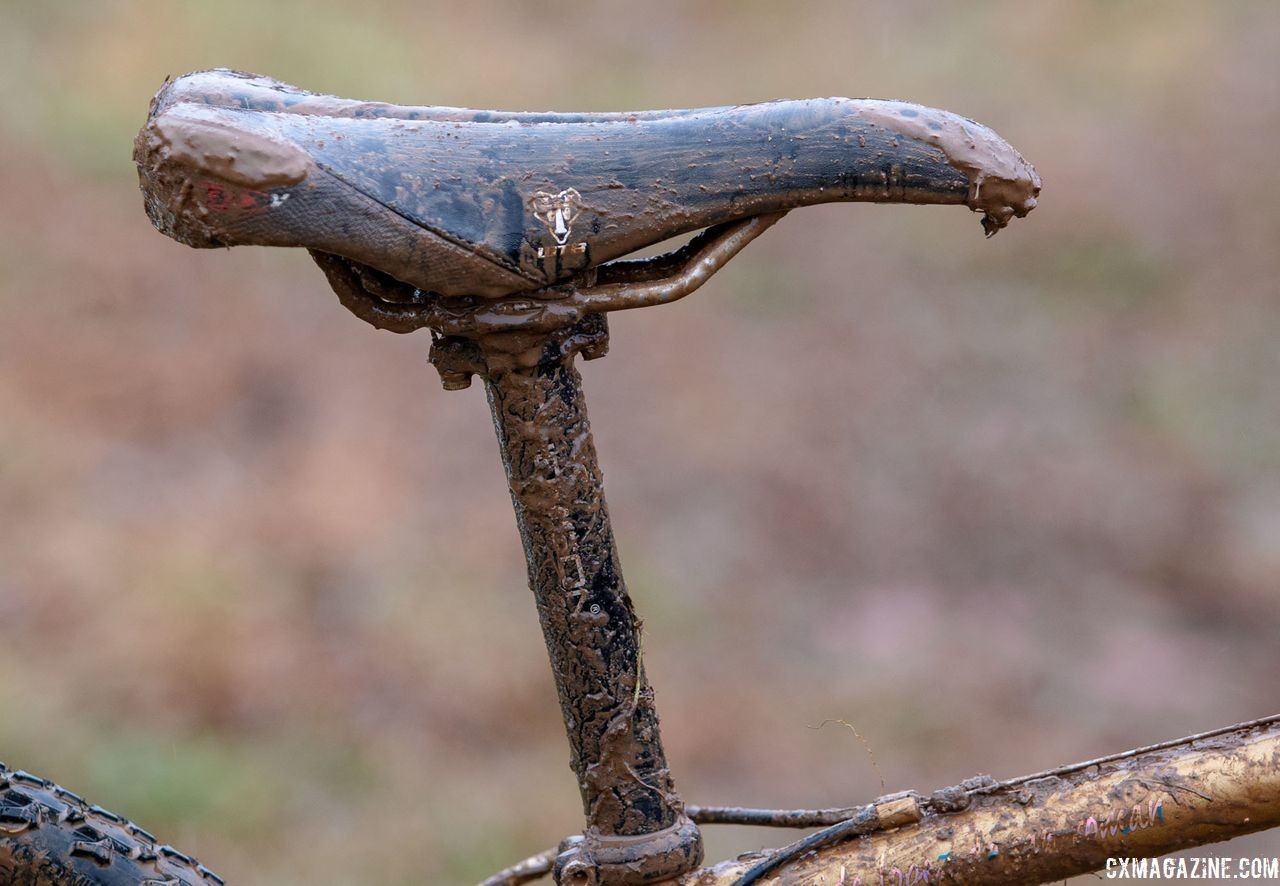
point(636, 830)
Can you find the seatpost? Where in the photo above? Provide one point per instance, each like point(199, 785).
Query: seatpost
point(636, 830)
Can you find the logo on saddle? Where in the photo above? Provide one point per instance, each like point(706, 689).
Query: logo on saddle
point(557, 212)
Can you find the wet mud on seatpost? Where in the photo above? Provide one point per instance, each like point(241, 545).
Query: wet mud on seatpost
point(634, 816)
point(504, 235)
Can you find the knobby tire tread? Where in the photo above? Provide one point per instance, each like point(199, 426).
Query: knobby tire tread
point(50, 836)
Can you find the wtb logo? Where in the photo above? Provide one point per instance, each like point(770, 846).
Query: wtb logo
point(557, 212)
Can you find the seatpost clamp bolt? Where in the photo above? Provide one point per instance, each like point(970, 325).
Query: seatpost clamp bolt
point(457, 359)
point(576, 871)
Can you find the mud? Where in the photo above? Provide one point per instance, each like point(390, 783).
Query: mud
point(1002, 184)
point(205, 146)
point(226, 88)
point(636, 828)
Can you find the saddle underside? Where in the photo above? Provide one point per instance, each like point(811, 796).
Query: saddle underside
point(483, 203)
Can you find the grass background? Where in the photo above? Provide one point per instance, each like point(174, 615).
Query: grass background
point(1000, 504)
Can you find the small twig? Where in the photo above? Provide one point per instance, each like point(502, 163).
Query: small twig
point(865, 744)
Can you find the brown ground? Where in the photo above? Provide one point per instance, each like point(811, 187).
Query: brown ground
point(1000, 504)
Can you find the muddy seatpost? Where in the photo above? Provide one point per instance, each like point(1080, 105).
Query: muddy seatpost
point(636, 830)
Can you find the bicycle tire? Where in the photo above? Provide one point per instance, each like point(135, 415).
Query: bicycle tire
point(49, 836)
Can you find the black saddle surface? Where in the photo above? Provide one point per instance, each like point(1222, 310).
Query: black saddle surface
point(486, 203)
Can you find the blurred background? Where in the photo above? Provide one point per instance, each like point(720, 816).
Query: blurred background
point(1000, 504)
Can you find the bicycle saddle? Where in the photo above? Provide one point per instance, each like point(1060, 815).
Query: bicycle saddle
point(454, 202)
point(503, 234)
